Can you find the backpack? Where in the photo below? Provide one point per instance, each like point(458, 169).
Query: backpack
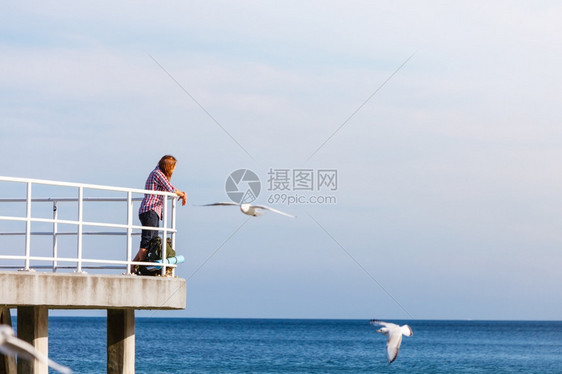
point(155, 253)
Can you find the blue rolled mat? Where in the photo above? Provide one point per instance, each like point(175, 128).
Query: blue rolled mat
point(171, 260)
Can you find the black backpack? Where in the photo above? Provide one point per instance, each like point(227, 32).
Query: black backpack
point(155, 253)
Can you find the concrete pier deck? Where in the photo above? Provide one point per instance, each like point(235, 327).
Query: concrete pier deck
point(34, 293)
point(90, 291)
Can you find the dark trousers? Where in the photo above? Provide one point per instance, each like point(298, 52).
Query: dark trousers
point(151, 219)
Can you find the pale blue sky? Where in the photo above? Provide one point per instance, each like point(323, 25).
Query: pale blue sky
point(449, 182)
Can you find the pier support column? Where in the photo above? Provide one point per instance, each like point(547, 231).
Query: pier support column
point(7, 363)
point(120, 341)
point(33, 327)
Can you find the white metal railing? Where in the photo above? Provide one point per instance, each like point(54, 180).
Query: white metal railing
point(129, 229)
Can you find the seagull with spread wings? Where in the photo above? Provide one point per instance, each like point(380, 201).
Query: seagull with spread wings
point(251, 210)
point(394, 333)
point(10, 345)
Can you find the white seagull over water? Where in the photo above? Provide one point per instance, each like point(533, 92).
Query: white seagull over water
point(10, 345)
point(251, 210)
point(394, 333)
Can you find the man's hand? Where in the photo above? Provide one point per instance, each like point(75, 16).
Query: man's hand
point(183, 198)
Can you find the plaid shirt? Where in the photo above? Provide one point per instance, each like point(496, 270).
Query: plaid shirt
point(156, 181)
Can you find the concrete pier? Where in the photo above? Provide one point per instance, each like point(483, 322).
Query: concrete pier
point(33, 294)
point(120, 341)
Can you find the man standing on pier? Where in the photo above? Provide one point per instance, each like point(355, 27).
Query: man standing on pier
point(150, 211)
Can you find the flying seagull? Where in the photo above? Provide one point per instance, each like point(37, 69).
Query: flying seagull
point(10, 345)
point(394, 333)
point(251, 210)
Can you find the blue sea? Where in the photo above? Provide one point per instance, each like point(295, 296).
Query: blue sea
point(175, 345)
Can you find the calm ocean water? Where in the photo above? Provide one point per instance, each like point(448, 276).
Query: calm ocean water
point(312, 346)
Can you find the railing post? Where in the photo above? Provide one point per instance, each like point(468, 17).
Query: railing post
point(164, 233)
point(174, 202)
point(28, 228)
point(129, 230)
point(80, 215)
point(55, 233)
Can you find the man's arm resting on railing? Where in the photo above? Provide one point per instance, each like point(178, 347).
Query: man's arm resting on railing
point(183, 196)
